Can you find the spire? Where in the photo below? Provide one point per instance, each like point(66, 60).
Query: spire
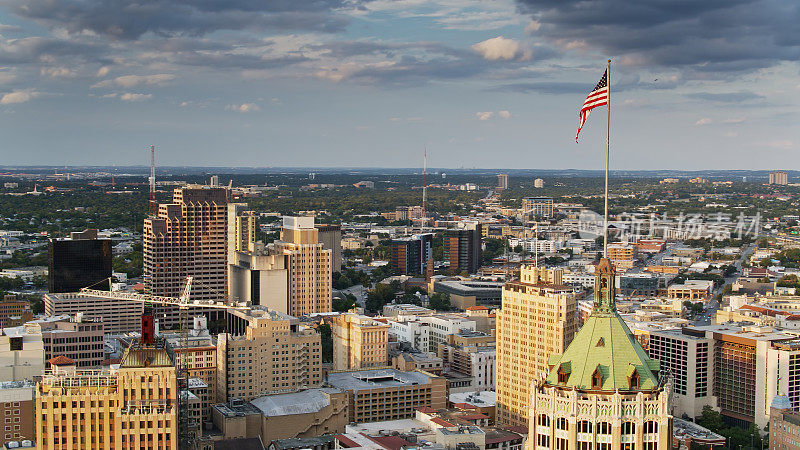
point(604, 289)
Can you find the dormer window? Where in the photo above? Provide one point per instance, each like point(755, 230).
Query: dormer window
point(563, 373)
point(633, 380)
point(601, 343)
point(597, 379)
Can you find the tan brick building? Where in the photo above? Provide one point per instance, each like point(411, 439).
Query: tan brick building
point(359, 342)
point(274, 354)
point(188, 237)
point(308, 264)
point(388, 394)
point(535, 321)
point(131, 408)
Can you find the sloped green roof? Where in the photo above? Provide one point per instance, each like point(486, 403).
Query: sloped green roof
point(604, 344)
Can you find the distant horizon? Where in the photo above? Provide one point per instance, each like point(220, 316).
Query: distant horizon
point(369, 169)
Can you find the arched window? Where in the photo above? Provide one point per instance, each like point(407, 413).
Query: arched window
point(628, 435)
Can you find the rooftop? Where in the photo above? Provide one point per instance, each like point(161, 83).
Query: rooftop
point(303, 402)
point(379, 378)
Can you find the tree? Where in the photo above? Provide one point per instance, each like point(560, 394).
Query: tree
point(440, 302)
point(711, 419)
point(344, 304)
point(326, 342)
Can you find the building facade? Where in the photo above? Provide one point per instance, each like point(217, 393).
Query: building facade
point(79, 339)
point(536, 320)
point(359, 342)
point(260, 277)
point(308, 263)
point(462, 247)
point(603, 392)
point(21, 352)
point(133, 407)
point(188, 237)
point(18, 411)
point(117, 316)
point(78, 262)
point(275, 354)
point(330, 236)
point(411, 255)
point(779, 178)
point(537, 207)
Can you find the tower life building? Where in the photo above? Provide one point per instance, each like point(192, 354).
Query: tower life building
point(132, 407)
point(411, 255)
point(188, 237)
point(603, 392)
point(536, 319)
point(308, 263)
point(462, 247)
point(80, 261)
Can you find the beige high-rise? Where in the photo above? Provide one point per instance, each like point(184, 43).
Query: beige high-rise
point(309, 266)
point(275, 354)
point(359, 342)
point(188, 237)
point(133, 407)
point(241, 229)
point(536, 320)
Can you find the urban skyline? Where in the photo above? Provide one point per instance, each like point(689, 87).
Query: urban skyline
point(368, 83)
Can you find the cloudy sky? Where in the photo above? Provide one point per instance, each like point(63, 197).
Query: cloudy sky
point(482, 83)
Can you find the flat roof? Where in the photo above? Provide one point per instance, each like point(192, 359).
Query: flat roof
point(376, 379)
point(476, 398)
point(303, 402)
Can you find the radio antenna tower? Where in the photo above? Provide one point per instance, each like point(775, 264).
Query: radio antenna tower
point(425, 188)
point(153, 206)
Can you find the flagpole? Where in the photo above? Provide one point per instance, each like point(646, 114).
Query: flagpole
point(608, 134)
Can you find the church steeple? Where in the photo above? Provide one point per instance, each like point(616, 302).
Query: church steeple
point(604, 289)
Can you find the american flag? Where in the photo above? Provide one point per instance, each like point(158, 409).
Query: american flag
point(598, 97)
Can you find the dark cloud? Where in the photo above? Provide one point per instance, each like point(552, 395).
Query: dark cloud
point(729, 97)
point(40, 49)
point(123, 19)
point(700, 36)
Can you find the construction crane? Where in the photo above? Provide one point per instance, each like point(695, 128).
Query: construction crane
point(186, 428)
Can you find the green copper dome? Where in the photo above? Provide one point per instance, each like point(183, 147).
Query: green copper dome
point(604, 355)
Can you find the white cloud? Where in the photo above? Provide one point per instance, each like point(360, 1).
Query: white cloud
point(244, 108)
point(18, 97)
point(134, 97)
point(57, 72)
point(498, 48)
point(103, 71)
point(504, 114)
point(734, 120)
point(484, 115)
point(703, 121)
point(129, 81)
point(532, 27)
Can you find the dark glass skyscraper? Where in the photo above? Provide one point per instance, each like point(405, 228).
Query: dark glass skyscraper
point(79, 262)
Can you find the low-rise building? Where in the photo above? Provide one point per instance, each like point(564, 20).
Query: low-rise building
point(388, 393)
point(77, 338)
point(118, 316)
point(691, 290)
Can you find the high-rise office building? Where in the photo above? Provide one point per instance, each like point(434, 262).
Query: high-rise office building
point(133, 407)
point(308, 264)
point(274, 354)
point(411, 255)
point(536, 320)
point(779, 178)
point(688, 355)
point(330, 236)
point(359, 342)
point(462, 247)
point(188, 237)
point(537, 207)
point(241, 229)
point(78, 262)
point(260, 277)
point(502, 182)
point(603, 392)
